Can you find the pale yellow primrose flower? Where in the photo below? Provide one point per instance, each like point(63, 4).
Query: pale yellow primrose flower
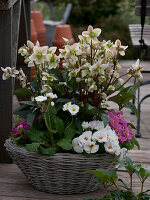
point(73, 109)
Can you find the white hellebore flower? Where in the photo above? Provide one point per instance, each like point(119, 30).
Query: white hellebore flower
point(39, 54)
point(73, 109)
point(135, 70)
point(100, 136)
point(9, 72)
point(51, 95)
point(77, 145)
point(92, 33)
point(91, 147)
point(30, 44)
point(40, 98)
point(85, 137)
point(121, 49)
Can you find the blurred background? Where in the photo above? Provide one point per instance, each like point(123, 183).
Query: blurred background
point(113, 17)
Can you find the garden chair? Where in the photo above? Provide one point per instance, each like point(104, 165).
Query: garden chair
point(140, 36)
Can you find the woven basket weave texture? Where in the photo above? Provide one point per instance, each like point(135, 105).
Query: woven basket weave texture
point(61, 173)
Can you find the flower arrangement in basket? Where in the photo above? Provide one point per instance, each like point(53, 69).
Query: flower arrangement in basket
point(69, 108)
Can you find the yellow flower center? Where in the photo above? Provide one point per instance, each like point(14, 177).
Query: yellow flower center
point(91, 146)
point(112, 120)
point(127, 132)
point(110, 147)
point(86, 138)
point(73, 109)
point(100, 138)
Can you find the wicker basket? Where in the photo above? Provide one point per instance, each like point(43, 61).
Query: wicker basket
point(61, 173)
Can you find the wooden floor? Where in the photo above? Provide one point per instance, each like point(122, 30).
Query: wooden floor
point(14, 186)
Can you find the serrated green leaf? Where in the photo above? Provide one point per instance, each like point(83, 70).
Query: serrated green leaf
point(22, 92)
point(35, 135)
point(105, 117)
point(48, 151)
point(69, 133)
point(29, 103)
point(133, 108)
point(32, 147)
point(30, 118)
point(64, 144)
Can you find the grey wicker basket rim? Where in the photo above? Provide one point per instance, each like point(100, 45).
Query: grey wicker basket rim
point(10, 144)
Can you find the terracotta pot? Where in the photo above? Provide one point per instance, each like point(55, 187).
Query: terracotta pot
point(33, 32)
point(39, 26)
point(62, 31)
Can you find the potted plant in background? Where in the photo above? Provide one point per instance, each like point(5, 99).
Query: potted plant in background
point(68, 127)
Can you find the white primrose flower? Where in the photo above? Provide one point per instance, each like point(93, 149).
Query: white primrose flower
point(9, 72)
point(109, 147)
point(39, 54)
point(100, 136)
point(77, 145)
point(66, 105)
point(51, 95)
point(85, 137)
point(85, 125)
point(91, 147)
point(73, 109)
point(40, 98)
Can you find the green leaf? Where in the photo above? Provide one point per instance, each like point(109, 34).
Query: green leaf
point(62, 100)
point(32, 147)
point(49, 117)
point(105, 118)
point(22, 92)
point(30, 118)
point(29, 103)
point(59, 125)
point(64, 144)
point(104, 175)
point(133, 108)
point(122, 98)
point(69, 133)
point(48, 151)
point(132, 126)
point(35, 135)
point(137, 144)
